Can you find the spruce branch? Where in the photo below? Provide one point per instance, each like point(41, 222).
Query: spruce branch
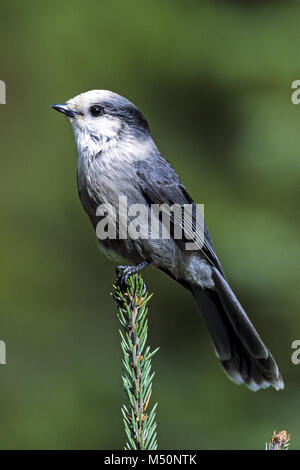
point(139, 423)
point(280, 441)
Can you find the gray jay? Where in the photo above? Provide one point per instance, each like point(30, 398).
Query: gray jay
point(117, 156)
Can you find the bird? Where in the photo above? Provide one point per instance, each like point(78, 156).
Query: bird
point(117, 157)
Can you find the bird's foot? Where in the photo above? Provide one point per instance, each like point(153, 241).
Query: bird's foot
point(123, 272)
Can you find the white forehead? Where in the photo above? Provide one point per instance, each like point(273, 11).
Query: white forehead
point(95, 96)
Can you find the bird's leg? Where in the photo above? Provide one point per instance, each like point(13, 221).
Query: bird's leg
point(123, 272)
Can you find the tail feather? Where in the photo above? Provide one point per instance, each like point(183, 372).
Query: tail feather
point(241, 351)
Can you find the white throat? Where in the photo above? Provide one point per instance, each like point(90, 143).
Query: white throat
point(92, 144)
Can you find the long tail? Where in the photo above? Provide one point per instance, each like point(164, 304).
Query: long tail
point(241, 351)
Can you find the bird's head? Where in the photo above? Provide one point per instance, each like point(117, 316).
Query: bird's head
point(104, 116)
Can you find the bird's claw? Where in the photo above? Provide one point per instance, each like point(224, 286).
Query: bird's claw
point(123, 273)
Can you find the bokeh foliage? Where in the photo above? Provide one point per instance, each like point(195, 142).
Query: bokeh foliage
point(213, 78)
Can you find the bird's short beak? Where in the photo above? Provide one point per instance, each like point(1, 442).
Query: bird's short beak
point(63, 108)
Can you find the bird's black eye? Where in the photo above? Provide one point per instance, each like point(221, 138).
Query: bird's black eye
point(96, 110)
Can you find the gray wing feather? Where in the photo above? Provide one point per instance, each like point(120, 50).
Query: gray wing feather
point(161, 185)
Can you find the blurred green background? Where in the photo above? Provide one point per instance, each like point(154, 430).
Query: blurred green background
point(214, 80)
